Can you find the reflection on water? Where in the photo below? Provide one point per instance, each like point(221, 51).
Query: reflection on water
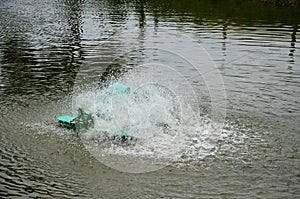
point(48, 48)
point(41, 53)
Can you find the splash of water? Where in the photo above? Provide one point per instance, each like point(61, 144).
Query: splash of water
point(161, 120)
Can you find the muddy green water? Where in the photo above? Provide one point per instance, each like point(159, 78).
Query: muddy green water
point(48, 49)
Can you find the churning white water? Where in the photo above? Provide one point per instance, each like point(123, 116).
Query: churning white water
point(163, 123)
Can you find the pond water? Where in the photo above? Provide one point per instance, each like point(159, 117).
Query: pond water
point(223, 75)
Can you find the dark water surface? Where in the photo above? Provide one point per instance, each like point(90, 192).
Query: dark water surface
point(48, 48)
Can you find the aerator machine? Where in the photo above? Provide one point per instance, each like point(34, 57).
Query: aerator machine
point(85, 120)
